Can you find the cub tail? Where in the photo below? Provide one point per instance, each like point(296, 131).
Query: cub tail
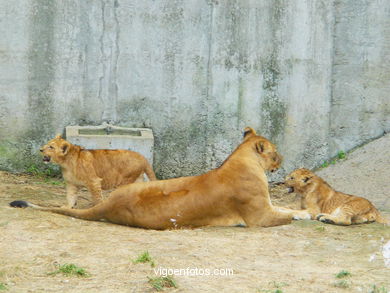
point(149, 172)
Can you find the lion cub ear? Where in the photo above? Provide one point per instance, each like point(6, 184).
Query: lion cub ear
point(58, 136)
point(249, 132)
point(65, 147)
point(305, 179)
point(260, 146)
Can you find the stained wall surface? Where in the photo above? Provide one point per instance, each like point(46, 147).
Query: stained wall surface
point(313, 76)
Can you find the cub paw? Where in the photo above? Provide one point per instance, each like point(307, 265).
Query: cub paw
point(324, 219)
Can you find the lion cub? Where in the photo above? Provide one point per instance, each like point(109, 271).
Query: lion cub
point(95, 169)
point(327, 205)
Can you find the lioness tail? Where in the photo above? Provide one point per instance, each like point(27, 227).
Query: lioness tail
point(92, 214)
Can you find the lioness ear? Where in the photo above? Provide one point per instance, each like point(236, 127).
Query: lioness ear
point(306, 179)
point(65, 147)
point(249, 132)
point(58, 136)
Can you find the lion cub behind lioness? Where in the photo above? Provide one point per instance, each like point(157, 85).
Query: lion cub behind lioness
point(327, 205)
point(95, 169)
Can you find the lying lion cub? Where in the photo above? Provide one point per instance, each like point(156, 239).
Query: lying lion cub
point(235, 192)
point(94, 169)
point(330, 206)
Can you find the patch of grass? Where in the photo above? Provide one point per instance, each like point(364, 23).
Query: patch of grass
point(3, 287)
point(340, 156)
point(46, 171)
point(324, 164)
point(144, 258)
point(70, 270)
point(48, 174)
point(33, 169)
point(376, 289)
point(342, 284)
point(159, 283)
point(343, 274)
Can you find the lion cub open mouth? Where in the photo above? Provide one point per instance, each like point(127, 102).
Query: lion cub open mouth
point(46, 159)
point(290, 189)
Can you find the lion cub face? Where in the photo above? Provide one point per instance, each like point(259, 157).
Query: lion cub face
point(55, 150)
point(299, 180)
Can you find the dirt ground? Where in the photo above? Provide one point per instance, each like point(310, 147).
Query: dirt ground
point(302, 257)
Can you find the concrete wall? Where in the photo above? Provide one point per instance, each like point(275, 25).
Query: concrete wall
point(311, 75)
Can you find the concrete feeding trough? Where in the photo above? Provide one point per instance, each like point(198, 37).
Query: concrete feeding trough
point(107, 136)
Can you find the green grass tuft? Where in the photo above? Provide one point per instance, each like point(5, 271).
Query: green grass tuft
point(343, 274)
point(44, 172)
point(340, 156)
point(160, 283)
point(324, 164)
point(3, 287)
point(144, 258)
point(70, 270)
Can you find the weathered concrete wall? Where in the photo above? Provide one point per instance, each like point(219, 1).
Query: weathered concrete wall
point(313, 76)
point(360, 105)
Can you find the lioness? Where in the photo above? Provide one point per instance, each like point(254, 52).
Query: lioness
point(330, 206)
point(235, 192)
point(94, 169)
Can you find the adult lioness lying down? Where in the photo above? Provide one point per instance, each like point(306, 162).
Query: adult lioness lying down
point(234, 193)
point(95, 169)
point(330, 206)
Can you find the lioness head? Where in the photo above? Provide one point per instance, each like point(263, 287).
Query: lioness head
point(299, 180)
point(55, 150)
point(271, 160)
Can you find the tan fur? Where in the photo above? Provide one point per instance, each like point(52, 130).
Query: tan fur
point(95, 169)
point(330, 206)
point(234, 193)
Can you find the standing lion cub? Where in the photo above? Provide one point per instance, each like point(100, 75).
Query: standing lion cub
point(327, 205)
point(95, 169)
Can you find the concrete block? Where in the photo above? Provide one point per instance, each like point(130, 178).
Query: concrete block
point(111, 137)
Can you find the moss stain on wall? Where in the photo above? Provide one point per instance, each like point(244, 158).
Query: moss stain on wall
point(273, 110)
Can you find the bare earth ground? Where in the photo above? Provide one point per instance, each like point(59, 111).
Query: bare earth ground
point(302, 257)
